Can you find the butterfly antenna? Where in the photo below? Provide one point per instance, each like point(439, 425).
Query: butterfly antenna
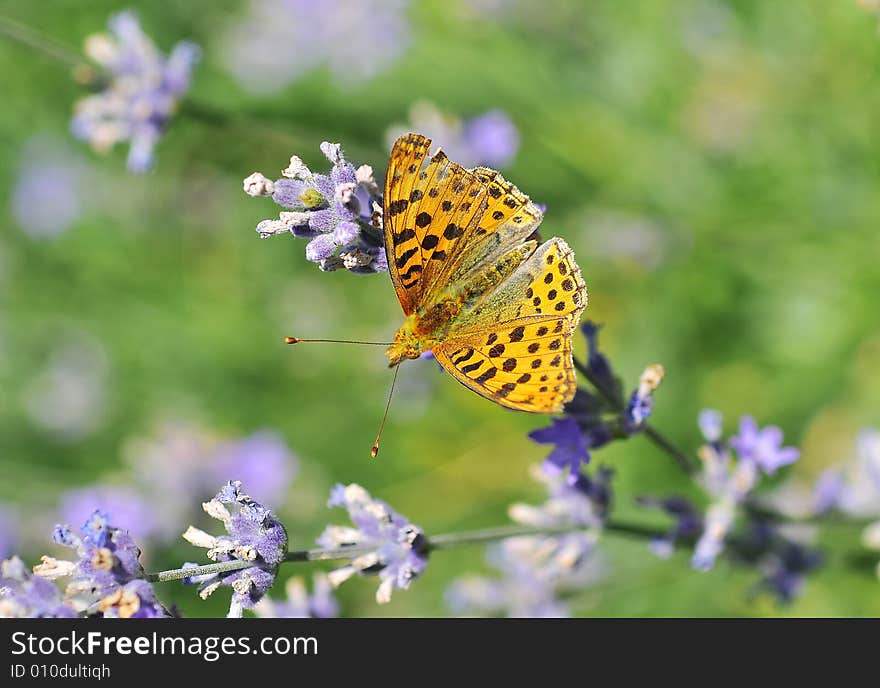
point(297, 340)
point(374, 452)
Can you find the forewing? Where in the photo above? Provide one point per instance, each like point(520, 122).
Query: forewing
point(431, 204)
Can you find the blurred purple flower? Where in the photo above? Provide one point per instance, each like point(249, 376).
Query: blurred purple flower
point(261, 461)
point(339, 213)
point(280, 40)
point(389, 545)
point(688, 522)
point(24, 595)
point(124, 506)
point(492, 138)
point(535, 572)
point(489, 139)
point(50, 192)
point(299, 604)
point(141, 93)
point(253, 534)
point(762, 446)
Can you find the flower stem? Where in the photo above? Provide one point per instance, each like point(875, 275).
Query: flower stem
point(659, 440)
point(39, 41)
point(438, 542)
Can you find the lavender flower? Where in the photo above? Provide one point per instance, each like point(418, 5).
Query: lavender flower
point(299, 604)
point(764, 447)
point(571, 446)
point(388, 545)
point(730, 482)
point(340, 213)
point(598, 364)
point(141, 94)
point(489, 139)
point(280, 40)
point(107, 562)
point(253, 535)
point(24, 595)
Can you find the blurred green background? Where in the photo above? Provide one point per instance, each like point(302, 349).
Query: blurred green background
point(714, 165)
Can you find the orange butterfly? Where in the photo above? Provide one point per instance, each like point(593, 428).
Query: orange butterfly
point(496, 309)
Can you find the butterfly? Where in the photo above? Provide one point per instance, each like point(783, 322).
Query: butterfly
point(496, 309)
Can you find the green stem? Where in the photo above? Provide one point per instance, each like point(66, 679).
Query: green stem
point(39, 41)
point(655, 436)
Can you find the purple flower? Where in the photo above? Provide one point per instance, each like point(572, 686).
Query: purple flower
point(488, 139)
point(134, 600)
point(710, 423)
point(492, 138)
point(253, 535)
point(280, 40)
point(107, 562)
point(261, 461)
point(124, 506)
point(24, 595)
point(387, 544)
point(571, 447)
point(299, 604)
point(339, 213)
point(763, 447)
point(141, 94)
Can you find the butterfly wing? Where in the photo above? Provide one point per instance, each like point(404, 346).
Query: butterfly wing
point(430, 204)
point(515, 348)
point(524, 365)
point(442, 221)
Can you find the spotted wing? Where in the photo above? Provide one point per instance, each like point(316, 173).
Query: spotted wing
point(524, 365)
point(442, 221)
point(515, 348)
point(548, 284)
point(430, 204)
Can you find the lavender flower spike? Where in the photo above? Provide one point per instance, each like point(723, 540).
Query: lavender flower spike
point(253, 534)
point(390, 546)
point(141, 94)
point(107, 577)
point(642, 401)
point(340, 213)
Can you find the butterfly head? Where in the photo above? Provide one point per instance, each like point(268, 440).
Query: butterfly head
point(407, 344)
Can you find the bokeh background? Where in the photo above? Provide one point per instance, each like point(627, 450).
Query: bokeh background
point(714, 165)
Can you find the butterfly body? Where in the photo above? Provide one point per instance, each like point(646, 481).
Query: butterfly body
point(495, 308)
